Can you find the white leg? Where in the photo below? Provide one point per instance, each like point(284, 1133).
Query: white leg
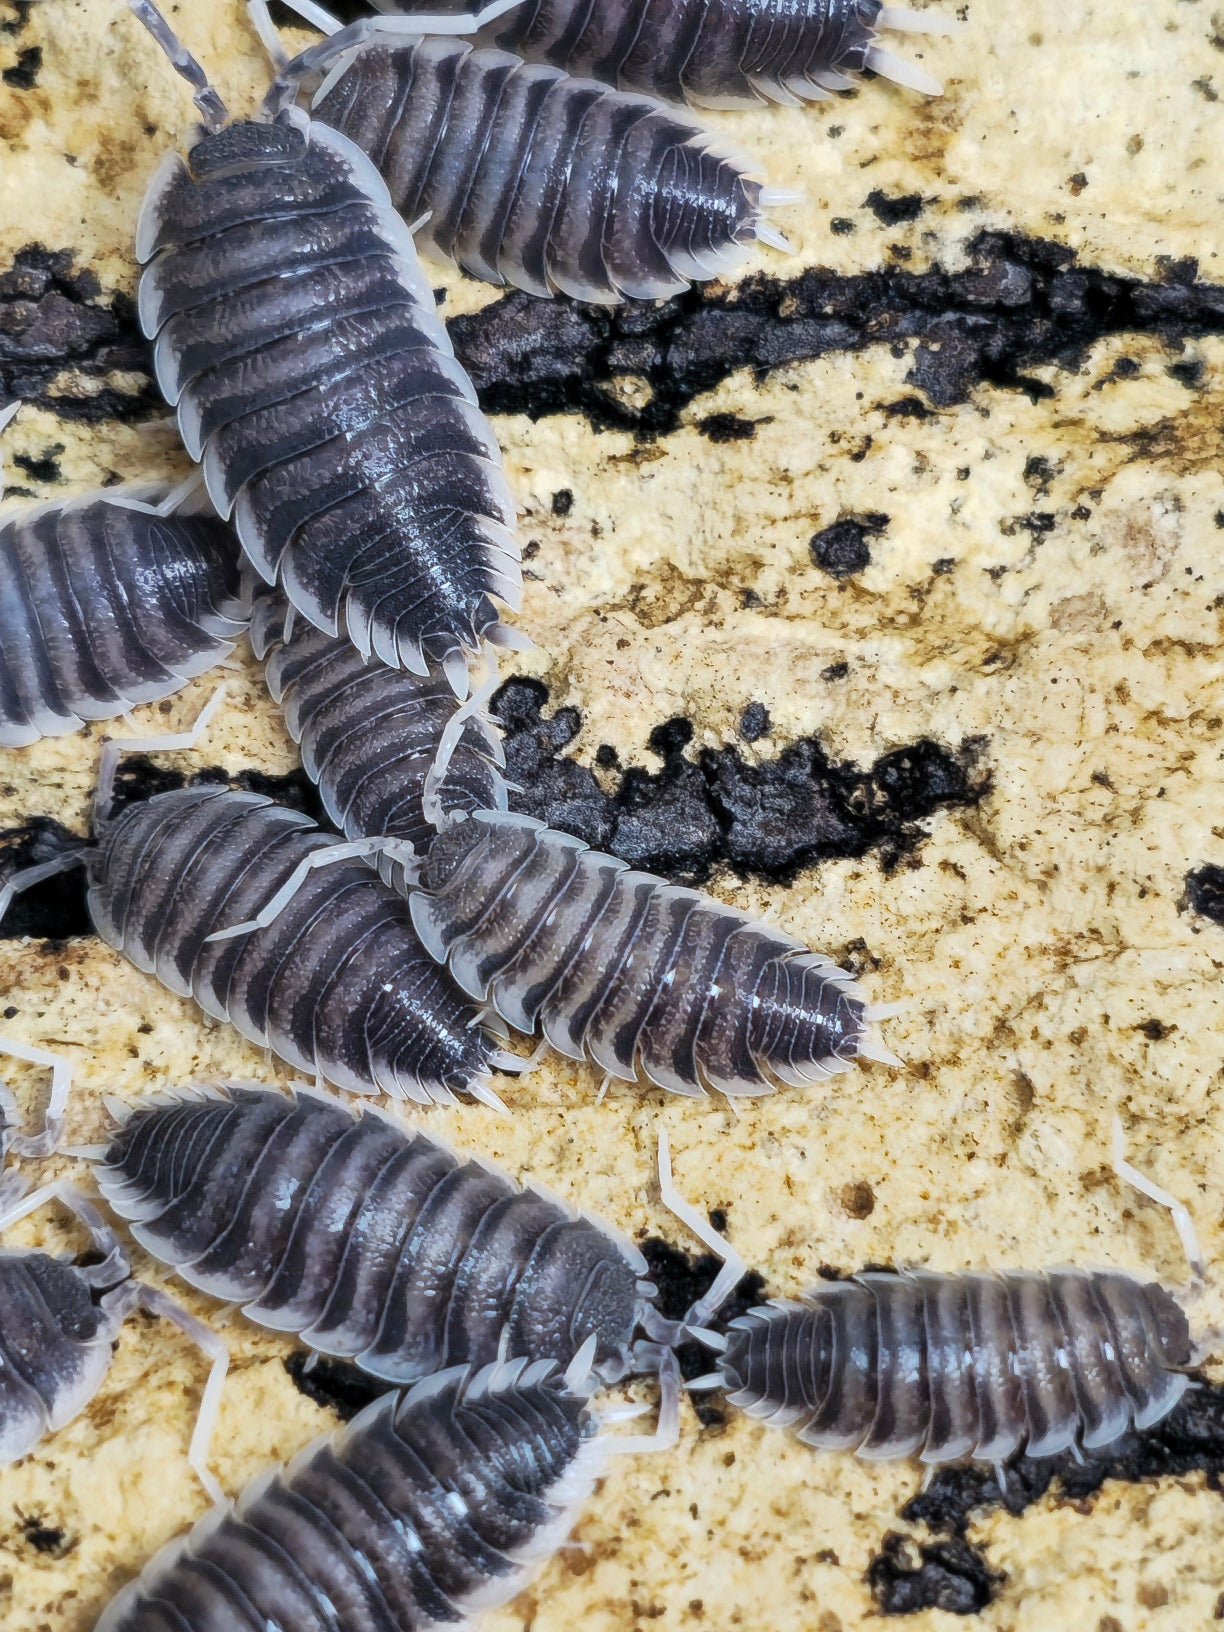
point(452, 736)
point(212, 109)
point(117, 746)
point(1180, 1214)
point(398, 849)
point(206, 1339)
point(307, 10)
point(734, 1268)
point(28, 877)
point(667, 1427)
point(21, 1205)
point(48, 1138)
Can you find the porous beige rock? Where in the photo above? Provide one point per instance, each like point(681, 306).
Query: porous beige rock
point(1035, 937)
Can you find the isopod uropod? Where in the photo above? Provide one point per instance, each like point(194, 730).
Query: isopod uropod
point(527, 176)
point(429, 1505)
point(298, 340)
point(718, 53)
point(371, 1241)
point(107, 601)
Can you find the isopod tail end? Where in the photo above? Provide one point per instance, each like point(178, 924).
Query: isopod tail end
point(908, 74)
point(872, 1047)
point(905, 20)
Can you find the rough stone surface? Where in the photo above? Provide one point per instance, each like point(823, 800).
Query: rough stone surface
point(982, 766)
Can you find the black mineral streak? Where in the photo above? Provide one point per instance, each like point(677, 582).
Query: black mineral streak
point(1018, 304)
point(681, 1278)
point(842, 550)
point(1189, 1440)
point(1205, 892)
point(950, 1576)
point(334, 1384)
point(61, 335)
point(769, 819)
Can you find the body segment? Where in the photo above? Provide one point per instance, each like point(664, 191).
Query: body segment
point(367, 1240)
point(949, 1367)
point(106, 603)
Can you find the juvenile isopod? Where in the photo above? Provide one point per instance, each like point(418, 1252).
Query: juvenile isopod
point(371, 1241)
point(298, 341)
point(717, 53)
point(108, 601)
point(962, 1366)
point(369, 735)
point(338, 984)
point(524, 175)
point(58, 1325)
point(428, 1506)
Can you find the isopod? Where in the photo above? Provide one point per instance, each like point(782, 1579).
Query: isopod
point(717, 53)
point(643, 977)
point(429, 1505)
point(299, 343)
point(972, 1366)
point(369, 735)
point(108, 601)
point(338, 984)
point(58, 1325)
point(524, 175)
point(371, 1241)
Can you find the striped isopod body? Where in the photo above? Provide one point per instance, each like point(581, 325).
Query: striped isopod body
point(961, 1366)
point(106, 602)
point(427, 1506)
point(368, 1240)
point(369, 735)
point(58, 1325)
point(617, 966)
point(716, 53)
point(524, 175)
point(298, 340)
point(337, 983)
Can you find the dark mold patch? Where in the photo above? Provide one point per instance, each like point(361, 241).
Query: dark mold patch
point(45, 469)
point(334, 1384)
point(842, 550)
point(23, 75)
point(48, 1539)
point(906, 1578)
point(681, 1278)
point(728, 428)
point(562, 502)
point(891, 212)
point(1018, 304)
point(58, 327)
point(754, 722)
point(20, 17)
point(1205, 892)
point(766, 820)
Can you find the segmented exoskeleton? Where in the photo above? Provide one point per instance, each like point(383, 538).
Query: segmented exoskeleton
point(368, 1240)
point(298, 340)
point(426, 1506)
point(718, 53)
point(947, 1367)
point(58, 1325)
point(524, 175)
point(107, 601)
point(643, 977)
point(369, 735)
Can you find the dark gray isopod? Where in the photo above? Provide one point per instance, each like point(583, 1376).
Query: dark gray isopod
point(368, 1240)
point(369, 735)
point(643, 977)
point(298, 340)
point(718, 53)
point(526, 176)
point(107, 602)
point(426, 1508)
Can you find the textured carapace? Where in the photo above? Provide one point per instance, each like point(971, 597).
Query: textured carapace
point(369, 1241)
point(643, 977)
point(526, 176)
point(425, 1507)
point(106, 602)
point(298, 340)
point(337, 984)
point(369, 734)
point(968, 1366)
point(716, 53)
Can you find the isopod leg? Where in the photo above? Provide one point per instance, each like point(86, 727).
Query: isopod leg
point(733, 1266)
point(399, 849)
point(667, 1425)
point(212, 110)
point(1179, 1213)
point(28, 877)
point(115, 1260)
point(452, 736)
point(117, 746)
point(47, 1139)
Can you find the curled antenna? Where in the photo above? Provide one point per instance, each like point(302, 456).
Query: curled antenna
point(213, 111)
